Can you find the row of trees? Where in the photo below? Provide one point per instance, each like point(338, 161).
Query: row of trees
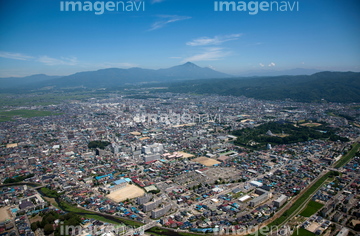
point(17, 179)
point(48, 219)
point(98, 144)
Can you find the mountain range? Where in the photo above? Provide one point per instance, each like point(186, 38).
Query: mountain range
point(318, 87)
point(114, 77)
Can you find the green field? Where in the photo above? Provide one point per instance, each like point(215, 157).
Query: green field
point(47, 98)
point(311, 208)
point(9, 115)
point(345, 159)
point(302, 232)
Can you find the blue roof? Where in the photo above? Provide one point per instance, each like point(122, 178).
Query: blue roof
point(120, 181)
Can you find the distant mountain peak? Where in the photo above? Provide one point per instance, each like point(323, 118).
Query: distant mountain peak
point(189, 64)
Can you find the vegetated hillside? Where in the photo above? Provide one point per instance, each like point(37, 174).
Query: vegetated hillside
point(283, 133)
point(329, 86)
point(113, 77)
point(24, 81)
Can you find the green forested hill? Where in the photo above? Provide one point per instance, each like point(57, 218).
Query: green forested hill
point(330, 86)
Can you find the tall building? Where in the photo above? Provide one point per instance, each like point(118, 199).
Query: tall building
point(160, 212)
point(152, 205)
point(144, 199)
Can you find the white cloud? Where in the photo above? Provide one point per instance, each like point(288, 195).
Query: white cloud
point(167, 19)
point(272, 64)
point(262, 65)
point(210, 54)
point(157, 1)
point(15, 56)
point(217, 40)
point(116, 65)
point(71, 61)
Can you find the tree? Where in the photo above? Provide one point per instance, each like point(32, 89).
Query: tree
point(34, 226)
point(48, 229)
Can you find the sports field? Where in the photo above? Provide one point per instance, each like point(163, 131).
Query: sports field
point(4, 214)
point(129, 192)
point(206, 161)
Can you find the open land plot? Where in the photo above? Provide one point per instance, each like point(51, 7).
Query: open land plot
point(186, 155)
point(224, 173)
point(4, 214)
point(313, 227)
point(311, 124)
point(129, 192)
point(206, 161)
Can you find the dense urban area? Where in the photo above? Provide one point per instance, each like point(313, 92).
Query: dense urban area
point(180, 164)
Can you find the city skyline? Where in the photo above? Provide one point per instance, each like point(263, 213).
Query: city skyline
point(42, 37)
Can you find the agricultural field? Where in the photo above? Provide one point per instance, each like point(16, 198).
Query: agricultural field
point(11, 115)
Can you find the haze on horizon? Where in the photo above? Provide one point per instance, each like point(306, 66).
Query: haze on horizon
point(36, 37)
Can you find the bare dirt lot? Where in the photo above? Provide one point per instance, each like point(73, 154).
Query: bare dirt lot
point(129, 192)
point(4, 215)
point(206, 161)
point(186, 155)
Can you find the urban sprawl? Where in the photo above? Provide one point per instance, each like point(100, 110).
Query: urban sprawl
point(171, 161)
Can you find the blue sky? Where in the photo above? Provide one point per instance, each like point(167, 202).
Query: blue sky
point(36, 37)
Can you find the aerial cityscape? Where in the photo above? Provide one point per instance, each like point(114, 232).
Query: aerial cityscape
point(179, 118)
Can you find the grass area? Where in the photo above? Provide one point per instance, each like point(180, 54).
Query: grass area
point(45, 98)
point(299, 202)
point(237, 195)
point(302, 232)
point(157, 231)
point(51, 201)
point(311, 208)
point(345, 159)
point(9, 115)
